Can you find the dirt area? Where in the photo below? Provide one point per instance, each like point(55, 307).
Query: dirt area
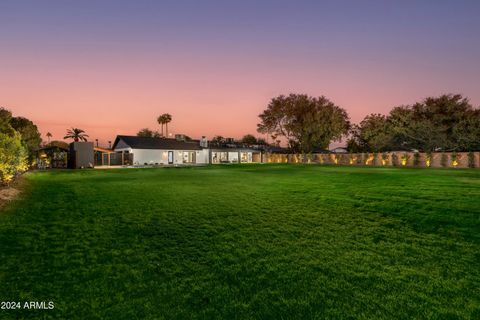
point(8, 194)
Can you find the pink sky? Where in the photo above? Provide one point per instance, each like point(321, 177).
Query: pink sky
point(114, 68)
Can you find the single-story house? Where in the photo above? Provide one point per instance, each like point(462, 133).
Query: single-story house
point(234, 155)
point(159, 151)
point(135, 150)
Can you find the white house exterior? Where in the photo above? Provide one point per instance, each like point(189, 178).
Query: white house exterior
point(157, 151)
point(133, 150)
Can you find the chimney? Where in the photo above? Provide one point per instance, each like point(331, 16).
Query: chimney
point(204, 142)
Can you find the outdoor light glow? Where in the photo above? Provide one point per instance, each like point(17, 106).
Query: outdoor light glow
point(454, 163)
point(427, 162)
point(404, 162)
point(369, 159)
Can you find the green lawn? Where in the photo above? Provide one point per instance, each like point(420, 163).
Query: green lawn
point(245, 242)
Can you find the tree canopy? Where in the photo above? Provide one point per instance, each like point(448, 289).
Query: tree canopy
point(249, 139)
point(29, 132)
point(448, 122)
point(307, 123)
point(76, 134)
point(146, 132)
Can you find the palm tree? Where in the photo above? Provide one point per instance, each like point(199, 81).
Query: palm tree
point(49, 135)
point(76, 134)
point(164, 119)
point(167, 120)
point(161, 121)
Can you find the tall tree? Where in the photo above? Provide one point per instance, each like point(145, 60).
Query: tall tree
point(305, 122)
point(161, 122)
point(49, 136)
point(31, 137)
point(371, 135)
point(146, 132)
point(167, 120)
point(5, 122)
point(249, 139)
point(446, 122)
point(76, 134)
point(218, 140)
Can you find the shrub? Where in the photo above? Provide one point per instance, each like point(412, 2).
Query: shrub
point(375, 159)
point(454, 159)
point(444, 160)
point(13, 157)
point(395, 159)
point(471, 159)
point(360, 158)
point(405, 158)
point(384, 159)
point(428, 159)
point(416, 159)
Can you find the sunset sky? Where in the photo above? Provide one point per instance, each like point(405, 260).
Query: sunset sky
point(111, 67)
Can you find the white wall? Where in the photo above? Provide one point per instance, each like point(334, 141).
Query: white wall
point(233, 156)
point(152, 156)
point(202, 156)
point(149, 156)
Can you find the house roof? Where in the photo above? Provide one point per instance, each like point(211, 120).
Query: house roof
point(135, 142)
point(104, 150)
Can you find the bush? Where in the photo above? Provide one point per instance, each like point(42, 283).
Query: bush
point(471, 160)
point(454, 158)
point(444, 160)
point(375, 159)
point(13, 157)
point(428, 159)
point(416, 159)
point(384, 159)
point(395, 159)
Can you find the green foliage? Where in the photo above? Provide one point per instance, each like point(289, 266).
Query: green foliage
point(375, 161)
point(371, 135)
point(416, 159)
point(385, 159)
point(444, 160)
point(428, 159)
point(454, 157)
point(76, 134)
point(446, 122)
point(31, 137)
point(164, 120)
point(13, 157)
point(471, 159)
point(249, 139)
point(244, 242)
point(5, 122)
point(306, 122)
point(146, 132)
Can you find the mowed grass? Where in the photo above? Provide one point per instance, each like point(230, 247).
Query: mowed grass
point(245, 242)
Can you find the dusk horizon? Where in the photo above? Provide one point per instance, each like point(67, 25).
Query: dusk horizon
point(112, 68)
point(275, 159)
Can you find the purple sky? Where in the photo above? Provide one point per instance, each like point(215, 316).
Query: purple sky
point(110, 67)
